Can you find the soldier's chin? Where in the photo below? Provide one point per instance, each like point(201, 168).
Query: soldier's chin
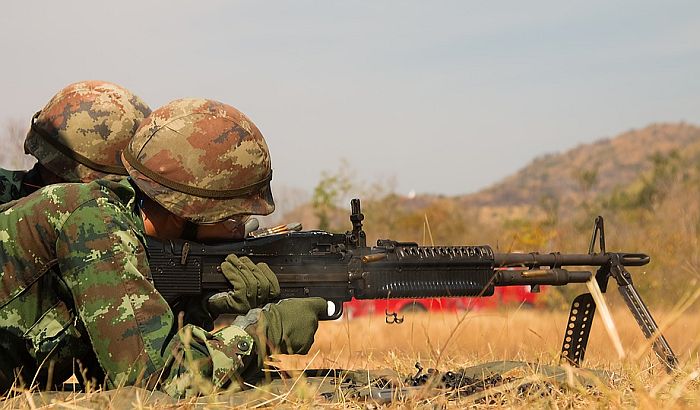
point(219, 232)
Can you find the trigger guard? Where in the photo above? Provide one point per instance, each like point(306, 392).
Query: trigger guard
point(338, 305)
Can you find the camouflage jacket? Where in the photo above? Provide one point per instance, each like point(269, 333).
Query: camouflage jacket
point(18, 184)
point(73, 259)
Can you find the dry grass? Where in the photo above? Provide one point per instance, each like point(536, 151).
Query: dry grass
point(449, 341)
point(487, 335)
point(453, 340)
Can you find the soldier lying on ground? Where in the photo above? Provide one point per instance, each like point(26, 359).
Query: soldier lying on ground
point(75, 278)
point(77, 137)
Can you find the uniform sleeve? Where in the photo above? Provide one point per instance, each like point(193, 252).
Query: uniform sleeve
point(132, 329)
point(10, 185)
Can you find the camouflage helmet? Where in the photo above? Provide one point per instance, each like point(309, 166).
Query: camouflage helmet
point(202, 160)
point(81, 132)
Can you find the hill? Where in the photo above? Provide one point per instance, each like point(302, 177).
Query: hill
point(589, 169)
point(562, 180)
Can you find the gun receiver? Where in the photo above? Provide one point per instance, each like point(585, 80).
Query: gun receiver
point(340, 266)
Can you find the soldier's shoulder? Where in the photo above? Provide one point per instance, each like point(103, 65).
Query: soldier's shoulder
point(70, 196)
point(93, 205)
point(118, 189)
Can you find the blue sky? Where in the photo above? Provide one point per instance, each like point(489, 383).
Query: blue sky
point(442, 97)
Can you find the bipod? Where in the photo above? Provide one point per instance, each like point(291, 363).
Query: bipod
point(578, 328)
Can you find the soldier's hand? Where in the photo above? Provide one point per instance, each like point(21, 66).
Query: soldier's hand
point(288, 326)
point(253, 286)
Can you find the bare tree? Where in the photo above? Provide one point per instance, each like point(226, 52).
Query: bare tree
point(12, 142)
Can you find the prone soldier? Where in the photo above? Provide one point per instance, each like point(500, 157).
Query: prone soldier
point(77, 137)
point(75, 282)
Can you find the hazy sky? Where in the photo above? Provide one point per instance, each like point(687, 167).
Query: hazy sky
point(446, 97)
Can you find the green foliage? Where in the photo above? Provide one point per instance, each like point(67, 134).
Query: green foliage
point(528, 234)
point(651, 188)
point(328, 194)
point(550, 206)
point(587, 178)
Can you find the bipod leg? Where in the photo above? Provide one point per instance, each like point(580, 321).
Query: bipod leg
point(642, 315)
point(649, 327)
point(578, 329)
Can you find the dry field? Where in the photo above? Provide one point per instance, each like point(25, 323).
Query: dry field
point(450, 341)
point(453, 340)
point(446, 339)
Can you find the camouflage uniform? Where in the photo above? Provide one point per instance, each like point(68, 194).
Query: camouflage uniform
point(75, 279)
point(78, 136)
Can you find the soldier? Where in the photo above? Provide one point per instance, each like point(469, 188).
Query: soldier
point(77, 137)
point(75, 280)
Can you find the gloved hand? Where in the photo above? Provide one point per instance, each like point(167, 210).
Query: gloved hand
point(253, 286)
point(286, 327)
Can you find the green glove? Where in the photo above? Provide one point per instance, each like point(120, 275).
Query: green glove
point(253, 286)
point(286, 327)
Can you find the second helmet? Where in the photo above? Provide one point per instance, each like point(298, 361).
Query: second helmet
point(202, 160)
point(80, 133)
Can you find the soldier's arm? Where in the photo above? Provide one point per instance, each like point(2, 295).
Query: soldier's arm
point(132, 329)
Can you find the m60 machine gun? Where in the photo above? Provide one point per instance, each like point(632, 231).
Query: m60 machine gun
point(340, 266)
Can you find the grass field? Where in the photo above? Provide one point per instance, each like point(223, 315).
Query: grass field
point(507, 334)
point(448, 341)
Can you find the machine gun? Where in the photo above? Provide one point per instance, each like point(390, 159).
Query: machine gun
point(340, 266)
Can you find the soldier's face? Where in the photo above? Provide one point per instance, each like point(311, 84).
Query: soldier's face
point(162, 224)
point(231, 229)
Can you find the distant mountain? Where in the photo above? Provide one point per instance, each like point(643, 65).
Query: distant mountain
point(584, 172)
point(589, 169)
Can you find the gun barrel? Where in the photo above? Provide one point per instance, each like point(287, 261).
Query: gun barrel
point(557, 260)
point(555, 277)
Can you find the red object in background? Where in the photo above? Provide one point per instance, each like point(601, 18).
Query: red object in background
point(506, 295)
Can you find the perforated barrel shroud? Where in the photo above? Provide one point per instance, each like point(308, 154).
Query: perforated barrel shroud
point(431, 271)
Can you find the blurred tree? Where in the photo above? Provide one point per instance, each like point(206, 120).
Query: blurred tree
point(587, 178)
point(330, 192)
point(12, 155)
